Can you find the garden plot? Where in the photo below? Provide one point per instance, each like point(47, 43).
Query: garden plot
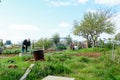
point(92, 54)
point(84, 64)
point(7, 55)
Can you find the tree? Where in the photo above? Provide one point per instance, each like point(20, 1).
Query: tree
point(94, 24)
point(68, 39)
point(43, 43)
point(117, 37)
point(56, 38)
point(1, 42)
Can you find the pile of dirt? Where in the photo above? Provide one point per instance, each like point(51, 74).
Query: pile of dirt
point(92, 54)
point(12, 66)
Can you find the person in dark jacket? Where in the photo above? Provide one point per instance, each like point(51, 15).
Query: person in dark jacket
point(26, 43)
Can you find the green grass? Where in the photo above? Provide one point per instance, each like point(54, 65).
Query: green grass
point(61, 64)
point(7, 73)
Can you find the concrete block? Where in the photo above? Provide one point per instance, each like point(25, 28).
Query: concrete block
point(57, 78)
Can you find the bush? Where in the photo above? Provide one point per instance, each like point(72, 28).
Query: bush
point(61, 47)
point(109, 46)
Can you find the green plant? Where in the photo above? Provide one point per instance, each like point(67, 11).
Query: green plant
point(61, 47)
point(12, 51)
point(10, 72)
point(84, 59)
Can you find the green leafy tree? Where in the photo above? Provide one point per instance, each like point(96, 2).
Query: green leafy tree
point(68, 39)
point(117, 37)
point(43, 43)
point(1, 42)
point(56, 38)
point(94, 24)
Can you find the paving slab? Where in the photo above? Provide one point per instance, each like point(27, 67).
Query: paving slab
point(57, 78)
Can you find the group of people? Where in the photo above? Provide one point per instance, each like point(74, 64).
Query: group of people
point(25, 45)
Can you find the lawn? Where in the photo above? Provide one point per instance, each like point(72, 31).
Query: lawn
point(84, 64)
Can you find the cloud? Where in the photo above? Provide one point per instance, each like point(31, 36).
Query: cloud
point(91, 10)
point(2, 33)
point(18, 32)
point(23, 27)
point(82, 1)
point(108, 2)
point(64, 24)
point(58, 3)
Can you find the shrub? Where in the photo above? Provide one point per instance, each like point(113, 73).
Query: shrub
point(61, 47)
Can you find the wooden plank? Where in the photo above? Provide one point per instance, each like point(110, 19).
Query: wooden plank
point(27, 72)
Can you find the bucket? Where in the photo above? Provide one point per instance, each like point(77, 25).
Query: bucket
point(38, 55)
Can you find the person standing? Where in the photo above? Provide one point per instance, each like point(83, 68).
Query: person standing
point(72, 46)
point(26, 43)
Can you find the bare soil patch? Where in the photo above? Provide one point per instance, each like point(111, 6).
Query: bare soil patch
point(12, 66)
point(7, 55)
point(92, 54)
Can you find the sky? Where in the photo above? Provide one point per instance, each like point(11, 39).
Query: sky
point(35, 19)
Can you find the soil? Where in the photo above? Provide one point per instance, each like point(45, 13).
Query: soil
point(12, 66)
point(7, 55)
point(92, 54)
point(50, 51)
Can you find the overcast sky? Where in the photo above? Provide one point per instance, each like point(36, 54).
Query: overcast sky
point(34, 19)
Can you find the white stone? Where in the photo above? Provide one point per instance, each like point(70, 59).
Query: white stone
point(20, 54)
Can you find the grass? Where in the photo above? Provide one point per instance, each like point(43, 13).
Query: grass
point(61, 64)
point(7, 73)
